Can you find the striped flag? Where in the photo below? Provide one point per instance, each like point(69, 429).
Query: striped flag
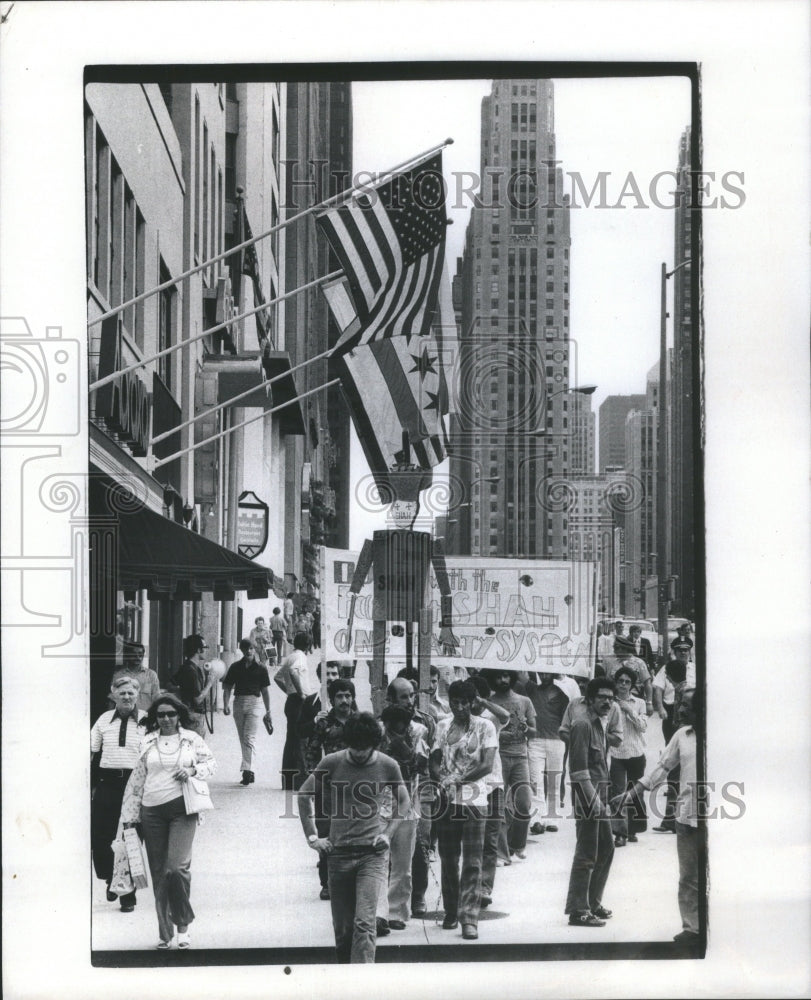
point(391, 246)
point(391, 386)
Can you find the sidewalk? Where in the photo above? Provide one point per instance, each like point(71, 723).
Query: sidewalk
point(255, 884)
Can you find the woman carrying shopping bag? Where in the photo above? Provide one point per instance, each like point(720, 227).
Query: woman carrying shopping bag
point(172, 760)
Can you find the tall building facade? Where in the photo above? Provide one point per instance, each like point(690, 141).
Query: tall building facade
point(583, 422)
point(594, 533)
point(511, 437)
point(613, 411)
point(318, 164)
point(682, 453)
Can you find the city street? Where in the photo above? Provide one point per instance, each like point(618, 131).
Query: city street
point(255, 885)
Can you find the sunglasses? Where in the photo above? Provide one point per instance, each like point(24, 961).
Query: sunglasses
point(165, 715)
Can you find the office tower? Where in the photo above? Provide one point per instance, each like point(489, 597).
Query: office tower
point(511, 435)
point(682, 492)
point(613, 411)
point(583, 420)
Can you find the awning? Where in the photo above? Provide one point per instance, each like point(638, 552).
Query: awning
point(241, 372)
point(168, 560)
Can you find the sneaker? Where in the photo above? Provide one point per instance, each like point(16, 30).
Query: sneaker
point(586, 919)
point(324, 894)
point(537, 828)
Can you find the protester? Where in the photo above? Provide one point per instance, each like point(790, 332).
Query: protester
point(249, 681)
point(588, 771)
point(328, 737)
point(690, 836)
point(460, 761)
point(170, 753)
point(545, 750)
point(116, 735)
point(628, 759)
point(353, 783)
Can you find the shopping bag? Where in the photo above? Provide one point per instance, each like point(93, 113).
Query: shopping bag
point(121, 883)
point(135, 857)
point(196, 795)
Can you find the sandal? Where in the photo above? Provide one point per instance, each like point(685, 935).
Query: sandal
point(183, 939)
point(163, 945)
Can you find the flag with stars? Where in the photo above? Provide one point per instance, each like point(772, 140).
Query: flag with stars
point(391, 245)
point(390, 386)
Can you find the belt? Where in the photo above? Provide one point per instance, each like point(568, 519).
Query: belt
point(114, 773)
point(356, 849)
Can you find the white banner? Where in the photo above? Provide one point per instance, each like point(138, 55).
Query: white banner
point(513, 614)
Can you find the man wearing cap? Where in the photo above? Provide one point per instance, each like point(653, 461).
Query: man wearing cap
point(192, 681)
point(249, 680)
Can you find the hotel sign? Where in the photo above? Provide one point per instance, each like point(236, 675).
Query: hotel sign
point(253, 517)
point(124, 403)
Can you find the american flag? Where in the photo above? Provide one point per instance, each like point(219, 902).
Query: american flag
point(391, 246)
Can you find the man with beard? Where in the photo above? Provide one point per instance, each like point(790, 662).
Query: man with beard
point(588, 770)
point(401, 693)
point(460, 761)
point(353, 783)
point(403, 741)
point(512, 739)
point(328, 737)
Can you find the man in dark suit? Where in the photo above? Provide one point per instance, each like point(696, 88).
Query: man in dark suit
point(641, 647)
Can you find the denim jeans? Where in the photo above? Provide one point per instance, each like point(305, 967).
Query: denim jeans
point(518, 801)
point(689, 842)
point(355, 883)
point(633, 818)
point(593, 854)
point(461, 833)
point(246, 719)
point(395, 899)
point(169, 834)
point(492, 827)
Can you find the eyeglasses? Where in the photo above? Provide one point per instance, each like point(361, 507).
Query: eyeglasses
point(165, 715)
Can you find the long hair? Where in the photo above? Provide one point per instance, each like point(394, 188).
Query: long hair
point(167, 698)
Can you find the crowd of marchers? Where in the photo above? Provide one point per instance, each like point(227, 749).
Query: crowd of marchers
point(466, 779)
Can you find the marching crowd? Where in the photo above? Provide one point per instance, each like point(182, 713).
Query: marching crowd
point(468, 778)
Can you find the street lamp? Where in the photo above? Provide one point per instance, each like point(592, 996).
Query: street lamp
point(662, 463)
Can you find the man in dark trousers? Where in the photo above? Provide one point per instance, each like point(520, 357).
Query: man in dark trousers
point(249, 680)
point(193, 683)
point(591, 787)
point(354, 783)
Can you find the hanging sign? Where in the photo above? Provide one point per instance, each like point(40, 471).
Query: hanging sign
point(253, 517)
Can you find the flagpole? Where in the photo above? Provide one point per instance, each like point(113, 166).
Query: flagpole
point(369, 185)
point(250, 420)
point(242, 395)
point(213, 329)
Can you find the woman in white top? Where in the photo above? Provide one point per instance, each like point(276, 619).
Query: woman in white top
point(628, 759)
point(170, 753)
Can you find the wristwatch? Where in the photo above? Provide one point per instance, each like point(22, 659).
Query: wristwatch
point(312, 838)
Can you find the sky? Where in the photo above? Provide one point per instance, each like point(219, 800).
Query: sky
point(618, 126)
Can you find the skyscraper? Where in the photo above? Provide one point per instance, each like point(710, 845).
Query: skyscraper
point(613, 411)
point(511, 435)
point(583, 420)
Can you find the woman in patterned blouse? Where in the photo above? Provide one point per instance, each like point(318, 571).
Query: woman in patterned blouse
point(170, 753)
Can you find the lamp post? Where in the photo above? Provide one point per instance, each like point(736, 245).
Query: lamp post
point(662, 464)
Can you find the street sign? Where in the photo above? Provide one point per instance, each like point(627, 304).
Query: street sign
point(253, 516)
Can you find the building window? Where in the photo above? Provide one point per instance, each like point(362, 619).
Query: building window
point(550, 253)
point(166, 328)
point(196, 203)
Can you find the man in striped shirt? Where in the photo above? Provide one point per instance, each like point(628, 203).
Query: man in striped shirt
point(117, 735)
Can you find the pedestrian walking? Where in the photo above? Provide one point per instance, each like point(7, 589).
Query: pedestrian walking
point(300, 708)
point(249, 681)
point(171, 752)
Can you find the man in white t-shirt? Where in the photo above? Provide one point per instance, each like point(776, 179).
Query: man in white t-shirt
point(301, 707)
point(464, 749)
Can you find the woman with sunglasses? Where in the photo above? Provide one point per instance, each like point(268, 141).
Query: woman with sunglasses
point(170, 753)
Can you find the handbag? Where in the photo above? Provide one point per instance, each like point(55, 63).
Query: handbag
point(196, 795)
point(121, 883)
point(135, 857)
